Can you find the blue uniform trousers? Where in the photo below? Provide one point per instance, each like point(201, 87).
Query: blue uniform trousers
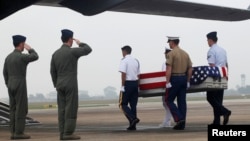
point(130, 96)
point(215, 99)
point(178, 90)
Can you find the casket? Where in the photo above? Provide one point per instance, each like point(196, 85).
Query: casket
point(204, 78)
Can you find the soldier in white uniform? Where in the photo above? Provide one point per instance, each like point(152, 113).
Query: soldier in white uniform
point(167, 118)
point(130, 70)
point(217, 56)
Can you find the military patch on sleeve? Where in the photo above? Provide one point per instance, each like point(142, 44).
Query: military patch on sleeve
point(208, 56)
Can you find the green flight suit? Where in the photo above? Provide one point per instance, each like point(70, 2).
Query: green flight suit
point(63, 69)
point(14, 72)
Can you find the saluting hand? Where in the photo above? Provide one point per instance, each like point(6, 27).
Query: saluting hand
point(27, 47)
point(77, 41)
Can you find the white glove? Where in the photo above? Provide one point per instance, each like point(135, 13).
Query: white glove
point(168, 85)
point(122, 89)
point(188, 85)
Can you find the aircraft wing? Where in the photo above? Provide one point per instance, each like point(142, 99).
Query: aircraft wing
point(173, 8)
point(86, 7)
point(183, 9)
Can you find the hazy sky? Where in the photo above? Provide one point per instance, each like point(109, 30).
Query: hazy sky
point(107, 32)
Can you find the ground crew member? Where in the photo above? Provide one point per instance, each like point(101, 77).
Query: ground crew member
point(130, 70)
point(64, 76)
point(178, 74)
point(14, 72)
point(217, 56)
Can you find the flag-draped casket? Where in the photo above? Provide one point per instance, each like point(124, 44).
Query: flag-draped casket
point(203, 78)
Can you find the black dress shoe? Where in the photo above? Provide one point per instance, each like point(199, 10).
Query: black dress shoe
point(131, 128)
point(213, 124)
point(180, 125)
point(19, 137)
point(134, 122)
point(226, 118)
point(70, 137)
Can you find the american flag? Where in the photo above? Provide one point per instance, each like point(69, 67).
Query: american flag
point(200, 73)
point(152, 80)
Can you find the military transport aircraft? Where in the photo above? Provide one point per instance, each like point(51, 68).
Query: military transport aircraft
point(174, 8)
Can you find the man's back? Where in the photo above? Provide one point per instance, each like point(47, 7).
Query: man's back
point(64, 64)
point(131, 67)
point(16, 64)
point(64, 60)
point(217, 56)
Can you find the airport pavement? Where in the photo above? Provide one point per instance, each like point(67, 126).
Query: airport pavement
point(107, 123)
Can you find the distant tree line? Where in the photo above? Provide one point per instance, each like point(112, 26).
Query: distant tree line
point(109, 93)
point(239, 90)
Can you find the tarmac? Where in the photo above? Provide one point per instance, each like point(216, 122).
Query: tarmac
point(107, 122)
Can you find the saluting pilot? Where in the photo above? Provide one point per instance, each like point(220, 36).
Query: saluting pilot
point(64, 76)
point(14, 72)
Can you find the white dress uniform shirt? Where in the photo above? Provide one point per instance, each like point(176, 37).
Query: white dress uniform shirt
point(217, 55)
point(164, 67)
point(131, 67)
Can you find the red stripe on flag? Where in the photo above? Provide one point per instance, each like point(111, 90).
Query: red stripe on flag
point(224, 71)
point(153, 74)
point(152, 85)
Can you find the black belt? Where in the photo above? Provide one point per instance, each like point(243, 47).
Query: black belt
point(178, 74)
point(131, 80)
